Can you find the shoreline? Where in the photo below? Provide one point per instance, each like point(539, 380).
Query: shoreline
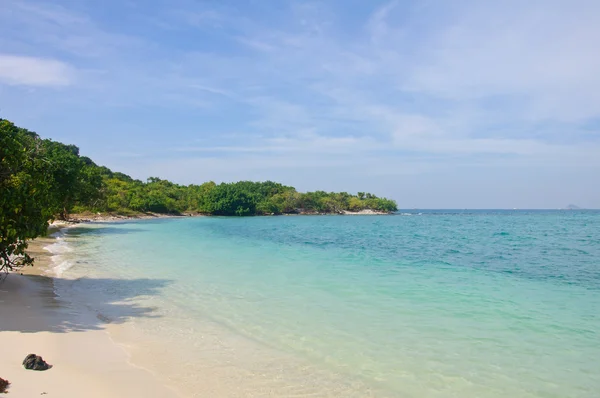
point(89, 346)
point(114, 217)
point(236, 365)
point(86, 361)
point(108, 217)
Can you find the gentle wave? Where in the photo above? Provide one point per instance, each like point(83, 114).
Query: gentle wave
point(59, 248)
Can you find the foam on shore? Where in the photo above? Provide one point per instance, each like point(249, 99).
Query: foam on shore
point(58, 248)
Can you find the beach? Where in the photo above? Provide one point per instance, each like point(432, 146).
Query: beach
point(316, 306)
point(85, 361)
point(96, 350)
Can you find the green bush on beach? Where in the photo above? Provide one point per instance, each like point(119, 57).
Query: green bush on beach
point(42, 180)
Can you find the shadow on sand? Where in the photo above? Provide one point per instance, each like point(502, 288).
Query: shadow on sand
point(30, 303)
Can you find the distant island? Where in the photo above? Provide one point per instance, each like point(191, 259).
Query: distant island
point(573, 207)
point(42, 180)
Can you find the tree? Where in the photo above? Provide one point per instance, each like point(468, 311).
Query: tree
point(356, 204)
point(25, 188)
point(75, 179)
point(231, 200)
point(38, 180)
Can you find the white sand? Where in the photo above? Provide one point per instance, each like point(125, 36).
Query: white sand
point(86, 362)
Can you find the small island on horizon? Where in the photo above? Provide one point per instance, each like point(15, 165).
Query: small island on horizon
point(573, 207)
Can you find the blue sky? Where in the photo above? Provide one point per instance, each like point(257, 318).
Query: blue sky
point(439, 104)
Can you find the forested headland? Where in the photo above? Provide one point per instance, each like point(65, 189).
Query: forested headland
point(42, 180)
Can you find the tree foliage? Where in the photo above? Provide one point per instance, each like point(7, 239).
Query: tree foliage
point(39, 179)
point(243, 198)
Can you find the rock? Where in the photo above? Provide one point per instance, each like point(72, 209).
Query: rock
point(35, 362)
point(3, 385)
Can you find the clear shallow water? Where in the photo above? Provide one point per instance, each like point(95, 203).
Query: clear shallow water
point(441, 304)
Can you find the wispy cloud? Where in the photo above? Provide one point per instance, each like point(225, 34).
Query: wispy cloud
point(31, 71)
point(542, 53)
point(49, 27)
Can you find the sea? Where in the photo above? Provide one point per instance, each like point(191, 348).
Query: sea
point(422, 303)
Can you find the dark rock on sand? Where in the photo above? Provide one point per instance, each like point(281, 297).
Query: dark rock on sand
point(35, 362)
point(3, 385)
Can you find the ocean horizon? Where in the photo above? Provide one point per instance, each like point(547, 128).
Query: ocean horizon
point(423, 303)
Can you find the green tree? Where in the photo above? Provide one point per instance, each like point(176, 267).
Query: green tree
point(75, 179)
point(25, 191)
point(231, 200)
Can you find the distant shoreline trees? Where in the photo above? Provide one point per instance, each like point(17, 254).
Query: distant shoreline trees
point(244, 198)
point(42, 180)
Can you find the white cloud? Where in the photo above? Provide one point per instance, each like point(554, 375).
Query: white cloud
point(543, 52)
point(300, 144)
point(32, 71)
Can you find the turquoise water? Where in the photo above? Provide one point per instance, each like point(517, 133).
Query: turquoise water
point(435, 304)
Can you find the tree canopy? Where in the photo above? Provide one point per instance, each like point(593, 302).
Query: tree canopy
point(42, 180)
point(39, 179)
point(244, 198)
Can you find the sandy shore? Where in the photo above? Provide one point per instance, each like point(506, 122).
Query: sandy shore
point(94, 355)
point(86, 362)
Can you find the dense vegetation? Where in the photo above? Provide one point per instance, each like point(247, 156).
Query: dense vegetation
point(41, 180)
point(122, 194)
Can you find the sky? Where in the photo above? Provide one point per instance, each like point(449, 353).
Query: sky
point(434, 103)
